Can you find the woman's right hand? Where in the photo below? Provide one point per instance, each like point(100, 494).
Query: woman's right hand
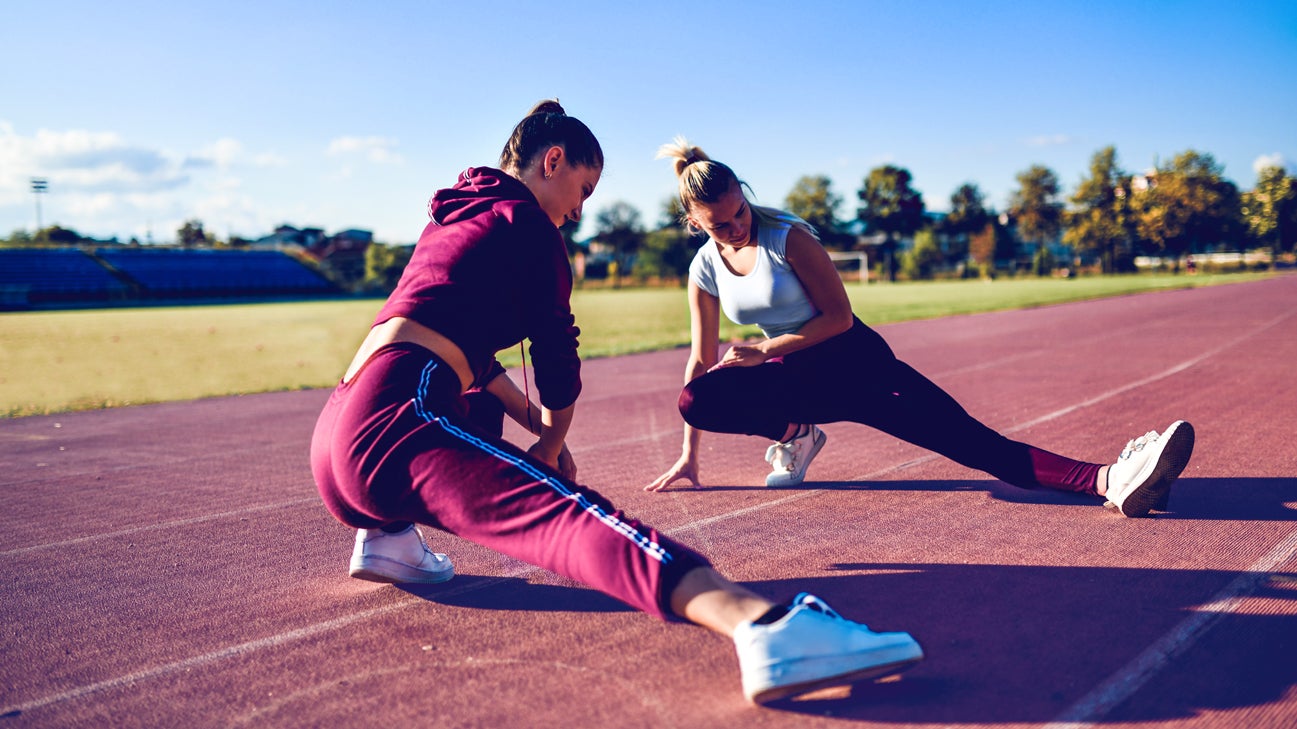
point(686, 467)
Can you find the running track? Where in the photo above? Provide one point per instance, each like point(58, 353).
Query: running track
point(170, 565)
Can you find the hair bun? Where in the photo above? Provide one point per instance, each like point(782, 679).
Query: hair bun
point(547, 106)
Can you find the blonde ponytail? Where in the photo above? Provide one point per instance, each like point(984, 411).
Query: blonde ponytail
point(704, 180)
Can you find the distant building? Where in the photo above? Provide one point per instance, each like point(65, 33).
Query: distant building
point(342, 254)
point(286, 237)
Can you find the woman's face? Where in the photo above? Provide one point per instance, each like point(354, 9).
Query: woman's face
point(728, 220)
point(565, 191)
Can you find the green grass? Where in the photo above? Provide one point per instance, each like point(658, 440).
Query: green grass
point(74, 360)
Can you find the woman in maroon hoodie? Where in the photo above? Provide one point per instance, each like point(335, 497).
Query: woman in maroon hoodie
point(412, 433)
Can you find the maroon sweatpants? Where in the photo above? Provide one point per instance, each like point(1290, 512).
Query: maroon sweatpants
point(856, 377)
point(399, 443)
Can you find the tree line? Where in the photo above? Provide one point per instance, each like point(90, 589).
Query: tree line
point(1183, 206)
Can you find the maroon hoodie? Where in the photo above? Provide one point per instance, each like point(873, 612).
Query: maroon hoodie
point(490, 270)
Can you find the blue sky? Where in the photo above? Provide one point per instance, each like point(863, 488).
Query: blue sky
point(348, 114)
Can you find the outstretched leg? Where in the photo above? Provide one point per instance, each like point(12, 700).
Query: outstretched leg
point(913, 408)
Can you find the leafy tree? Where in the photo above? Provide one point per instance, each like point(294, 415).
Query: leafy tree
point(968, 211)
point(1100, 218)
point(673, 213)
point(968, 215)
point(57, 235)
point(990, 244)
point(618, 226)
point(20, 238)
point(667, 251)
point(568, 231)
point(1190, 206)
point(812, 199)
point(191, 234)
point(384, 265)
point(1270, 210)
point(891, 206)
point(1035, 207)
point(924, 257)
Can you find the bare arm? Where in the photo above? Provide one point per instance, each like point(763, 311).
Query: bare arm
point(550, 426)
point(813, 267)
point(704, 335)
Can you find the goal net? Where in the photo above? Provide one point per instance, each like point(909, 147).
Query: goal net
point(851, 265)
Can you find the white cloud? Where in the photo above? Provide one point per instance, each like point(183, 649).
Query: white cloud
point(376, 149)
point(1269, 160)
point(79, 160)
point(223, 152)
point(1048, 140)
point(102, 184)
point(268, 159)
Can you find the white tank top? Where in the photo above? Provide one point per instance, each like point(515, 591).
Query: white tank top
point(770, 296)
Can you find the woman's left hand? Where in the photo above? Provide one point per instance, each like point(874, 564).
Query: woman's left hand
point(563, 462)
point(742, 356)
point(566, 465)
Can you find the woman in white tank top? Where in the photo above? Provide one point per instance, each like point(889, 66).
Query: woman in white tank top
point(821, 364)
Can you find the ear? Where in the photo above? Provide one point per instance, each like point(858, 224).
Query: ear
point(553, 156)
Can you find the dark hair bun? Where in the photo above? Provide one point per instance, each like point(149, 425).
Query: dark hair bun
point(548, 106)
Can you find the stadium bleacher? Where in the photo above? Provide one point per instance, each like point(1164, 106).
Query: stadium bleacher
point(170, 272)
point(32, 277)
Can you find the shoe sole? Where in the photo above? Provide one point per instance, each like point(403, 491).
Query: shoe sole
point(815, 451)
point(378, 569)
point(1155, 492)
point(893, 661)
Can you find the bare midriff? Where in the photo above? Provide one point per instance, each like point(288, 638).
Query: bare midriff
point(400, 329)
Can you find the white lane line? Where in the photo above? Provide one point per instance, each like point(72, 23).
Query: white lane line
point(160, 525)
point(1181, 367)
point(1123, 684)
point(272, 641)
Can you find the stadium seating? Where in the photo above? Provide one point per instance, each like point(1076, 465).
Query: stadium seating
point(36, 277)
point(185, 273)
point(33, 276)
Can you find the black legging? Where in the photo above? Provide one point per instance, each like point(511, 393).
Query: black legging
point(884, 393)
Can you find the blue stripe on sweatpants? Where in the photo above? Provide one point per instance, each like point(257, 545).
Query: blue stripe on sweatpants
point(650, 547)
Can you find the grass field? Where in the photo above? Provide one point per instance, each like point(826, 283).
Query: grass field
point(71, 360)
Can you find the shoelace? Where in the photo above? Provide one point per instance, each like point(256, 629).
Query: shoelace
point(1136, 445)
point(816, 604)
point(782, 456)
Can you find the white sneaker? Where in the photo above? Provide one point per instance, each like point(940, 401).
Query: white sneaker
point(790, 460)
point(812, 647)
point(401, 557)
point(1141, 478)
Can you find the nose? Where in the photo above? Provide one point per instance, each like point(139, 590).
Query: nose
point(575, 215)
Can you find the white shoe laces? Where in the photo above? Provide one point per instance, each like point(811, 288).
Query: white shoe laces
point(1136, 445)
point(782, 456)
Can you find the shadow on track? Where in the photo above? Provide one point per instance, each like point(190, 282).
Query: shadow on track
point(1011, 643)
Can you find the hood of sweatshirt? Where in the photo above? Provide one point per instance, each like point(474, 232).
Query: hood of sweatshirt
point(477, 191)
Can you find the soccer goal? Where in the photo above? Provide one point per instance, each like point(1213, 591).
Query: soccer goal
point(851, 265)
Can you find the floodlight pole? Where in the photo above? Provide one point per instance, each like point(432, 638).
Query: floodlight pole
point(40, 185)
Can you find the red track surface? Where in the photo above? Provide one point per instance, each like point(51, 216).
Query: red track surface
point(170, 565)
